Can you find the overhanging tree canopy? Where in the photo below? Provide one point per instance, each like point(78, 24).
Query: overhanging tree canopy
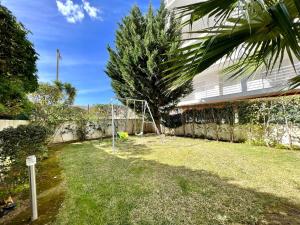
point(17, 64)
point(143, 43)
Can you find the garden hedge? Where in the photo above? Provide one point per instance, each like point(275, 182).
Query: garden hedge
point(15, 145)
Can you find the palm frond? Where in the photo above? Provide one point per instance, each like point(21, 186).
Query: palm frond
point(247, 36)
point(294, 82)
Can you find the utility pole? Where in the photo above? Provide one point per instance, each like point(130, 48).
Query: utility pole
point(58, 57)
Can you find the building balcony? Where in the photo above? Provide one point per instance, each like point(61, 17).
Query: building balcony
point(210, 87)
point(170, 4)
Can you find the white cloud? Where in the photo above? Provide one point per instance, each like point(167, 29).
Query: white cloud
point(75, 12)
point(93, 12)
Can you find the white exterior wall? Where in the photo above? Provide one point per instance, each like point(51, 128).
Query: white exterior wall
point(211, 86)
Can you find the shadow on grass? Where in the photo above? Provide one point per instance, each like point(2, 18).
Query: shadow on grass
point(137, 191)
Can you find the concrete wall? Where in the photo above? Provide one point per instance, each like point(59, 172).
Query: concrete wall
point(237, 133)
point(12, 123)
point(67, 131)
point(95, 130)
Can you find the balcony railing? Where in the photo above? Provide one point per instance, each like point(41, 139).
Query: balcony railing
point(261, 83)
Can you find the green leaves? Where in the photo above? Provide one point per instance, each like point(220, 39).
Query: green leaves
point(15, 145)
point(210, 8)
point(245, 35)
point(52, 103)
point(288, 29)
point(17, 64)
point(143, 43)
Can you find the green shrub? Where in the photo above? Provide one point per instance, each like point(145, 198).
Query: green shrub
point(82, 126)
point(81, 130)
point(15, 145)
point(262, 121)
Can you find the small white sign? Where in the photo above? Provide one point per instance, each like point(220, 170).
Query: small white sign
point(31, 160)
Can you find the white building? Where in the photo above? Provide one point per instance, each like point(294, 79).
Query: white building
point(211, 87)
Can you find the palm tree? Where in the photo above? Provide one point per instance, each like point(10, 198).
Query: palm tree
point(246, 35)
point(66, 90)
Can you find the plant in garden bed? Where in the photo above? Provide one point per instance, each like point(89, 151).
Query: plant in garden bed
point(53, 108)
point(100, 113)
point(271, 119)
point(82, 128)
point(15, 145)
point(260, 121)
point(52, 105)
point(96, 119)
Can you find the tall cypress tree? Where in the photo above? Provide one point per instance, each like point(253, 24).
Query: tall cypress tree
point(143, 43)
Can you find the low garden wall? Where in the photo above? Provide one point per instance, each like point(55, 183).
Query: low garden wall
point(68, 131)
point(270, 121)
point(237, 133)
point(12, 123)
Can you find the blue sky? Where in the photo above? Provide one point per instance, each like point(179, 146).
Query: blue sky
point(81, 29)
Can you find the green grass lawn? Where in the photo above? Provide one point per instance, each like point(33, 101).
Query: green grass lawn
point(179, 181)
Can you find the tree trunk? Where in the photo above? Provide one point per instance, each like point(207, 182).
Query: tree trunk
point(183, 123)
point(287, 127)
point(193, 124)
point(157, 123)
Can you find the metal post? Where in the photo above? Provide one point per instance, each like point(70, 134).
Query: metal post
point(127, 111)
point(156, 129)
point(134, 116)
point(193, 124)
point(57, 64)
point(112, 127)
point(183, 123)
point(143, 118)
point(30, 162)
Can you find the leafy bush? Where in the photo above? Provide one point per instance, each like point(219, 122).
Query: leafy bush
point(15, 145)
point(81, 128)
point(265, 120)
point(52, 104)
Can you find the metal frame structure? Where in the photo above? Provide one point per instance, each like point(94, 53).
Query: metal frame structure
point(145, 107)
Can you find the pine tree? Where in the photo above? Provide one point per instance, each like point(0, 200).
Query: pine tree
point(143, 43)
